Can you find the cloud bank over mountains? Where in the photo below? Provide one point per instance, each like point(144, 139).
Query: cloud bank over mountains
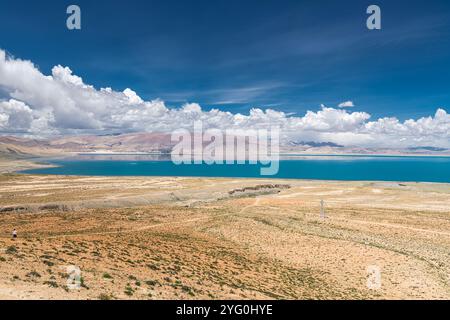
point(35, 104)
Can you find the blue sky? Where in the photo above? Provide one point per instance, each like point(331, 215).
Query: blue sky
point(234, 55)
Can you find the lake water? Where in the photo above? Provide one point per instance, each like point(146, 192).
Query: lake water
point(373, 168)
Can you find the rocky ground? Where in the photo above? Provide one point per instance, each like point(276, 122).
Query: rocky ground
point(170, 238)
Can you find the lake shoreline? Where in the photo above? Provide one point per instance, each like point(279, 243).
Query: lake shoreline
point(28, 167)
point(326, 168)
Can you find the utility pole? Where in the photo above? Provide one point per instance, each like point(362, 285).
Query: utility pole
point(322, 209)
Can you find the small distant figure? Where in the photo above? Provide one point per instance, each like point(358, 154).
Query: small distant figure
point(322, 209)
point(14, 234)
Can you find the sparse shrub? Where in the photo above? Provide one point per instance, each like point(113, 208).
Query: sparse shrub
point(107, 276)
point(83, 284)
point(48, 263)
point(11, 250)
point(153, 266)
point(151, 283)
point(33, 274)
point(104, 296)
point(188, 290)
point(52, 284)
point(129, 290)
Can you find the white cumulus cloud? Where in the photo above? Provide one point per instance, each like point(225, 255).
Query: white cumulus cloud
point(62, 103)
point(346, 104)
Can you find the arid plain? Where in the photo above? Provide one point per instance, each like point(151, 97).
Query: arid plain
point(198, 238)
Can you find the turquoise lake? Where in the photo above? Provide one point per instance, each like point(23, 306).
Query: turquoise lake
point(373, 168)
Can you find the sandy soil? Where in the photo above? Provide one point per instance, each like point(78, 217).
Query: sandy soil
point(170, 238)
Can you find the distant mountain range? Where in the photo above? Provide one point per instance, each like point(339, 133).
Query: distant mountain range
point(138, 142)
point(433, 149)
point(315, 144)
point(17, 147)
